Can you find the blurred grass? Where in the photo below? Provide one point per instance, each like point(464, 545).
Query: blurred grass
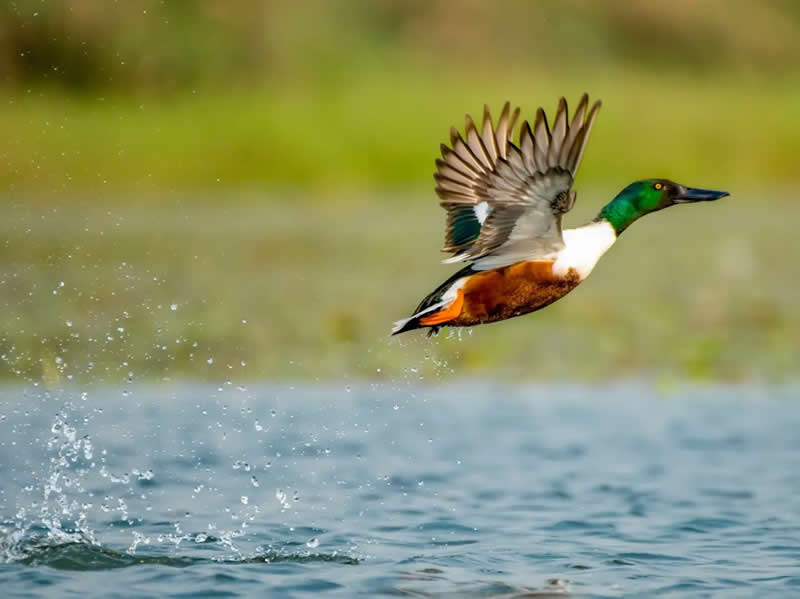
point(241, 287)
point(321, 94)
point(384, 130)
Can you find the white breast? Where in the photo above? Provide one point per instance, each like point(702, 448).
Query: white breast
point(583, 247)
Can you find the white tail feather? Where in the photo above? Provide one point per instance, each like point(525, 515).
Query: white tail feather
point(448, 297)
point(399, 324)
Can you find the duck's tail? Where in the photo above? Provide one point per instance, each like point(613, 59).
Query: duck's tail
point(440, 299)
point(405, 324)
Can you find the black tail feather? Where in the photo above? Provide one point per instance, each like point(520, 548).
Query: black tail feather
point(431, 299)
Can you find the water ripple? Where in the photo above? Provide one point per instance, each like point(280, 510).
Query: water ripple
point(86, 557)
point(471, 491)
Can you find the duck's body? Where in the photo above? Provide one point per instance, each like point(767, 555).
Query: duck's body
point(491, 295)
point(483, 296)
point(504, 206)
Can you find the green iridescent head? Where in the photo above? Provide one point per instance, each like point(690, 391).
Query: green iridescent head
point(650, 195)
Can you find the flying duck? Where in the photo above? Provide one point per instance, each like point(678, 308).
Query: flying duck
point(504, 203)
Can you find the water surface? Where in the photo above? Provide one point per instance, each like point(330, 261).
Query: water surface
point(460, 491)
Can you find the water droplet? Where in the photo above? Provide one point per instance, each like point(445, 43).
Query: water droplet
point(173, 307)
point(69, 323)
point(282, 499)
point(312, 543)
point(146, 475)
point(210, 360)
point(254, 481)
point(244, 499)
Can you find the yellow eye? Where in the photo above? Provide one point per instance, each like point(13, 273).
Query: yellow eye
point(658, 186)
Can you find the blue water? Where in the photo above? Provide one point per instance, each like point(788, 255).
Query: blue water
point(460, 491)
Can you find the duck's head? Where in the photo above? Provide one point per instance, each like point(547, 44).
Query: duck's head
point(650, 195)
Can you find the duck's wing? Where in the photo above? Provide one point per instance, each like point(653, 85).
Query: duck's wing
point(504, 202)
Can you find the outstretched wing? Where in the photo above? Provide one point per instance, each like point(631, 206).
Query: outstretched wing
point(504, 202)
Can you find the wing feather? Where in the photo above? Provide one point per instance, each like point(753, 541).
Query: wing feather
point(448, 185)
point(452, 173)
point(574, 128)
point(585, 130)
point(453, 160)
point(559, 133)
point(504, 202)
point(526, 145)
point(465, 154)
point(487, 134)
point(503, 130)
point(541, 140)
point(517, 164)
point(476, 146)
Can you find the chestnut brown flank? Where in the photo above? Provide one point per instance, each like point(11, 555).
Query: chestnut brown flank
point(511, 291)
point(448, 313)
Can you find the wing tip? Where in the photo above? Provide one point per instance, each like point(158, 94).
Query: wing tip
point(454, 137)
point(469, 124)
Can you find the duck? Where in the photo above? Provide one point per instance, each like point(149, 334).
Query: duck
point(504, 203)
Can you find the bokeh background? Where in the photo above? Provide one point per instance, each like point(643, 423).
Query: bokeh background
point(232, 190)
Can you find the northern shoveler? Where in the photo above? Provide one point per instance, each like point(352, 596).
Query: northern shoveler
point(504, 204)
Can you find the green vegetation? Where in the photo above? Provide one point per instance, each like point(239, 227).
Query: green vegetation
point(209, 95)
point(385, 131)
point(301, 289)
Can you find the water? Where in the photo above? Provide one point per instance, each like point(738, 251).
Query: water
point(460, 491)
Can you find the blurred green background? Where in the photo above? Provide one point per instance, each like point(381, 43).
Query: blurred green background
point(238, 189)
